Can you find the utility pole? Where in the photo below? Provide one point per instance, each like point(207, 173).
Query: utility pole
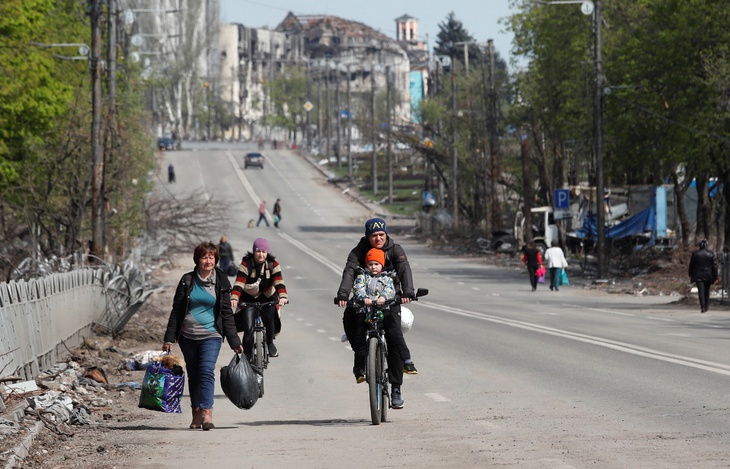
point(389, 120)
point(309, 100)
point(112, 16)
point(465, 45)
point(454, 153)
point(493, 139)
point(374, 129)
point(97, 157)
point(328, 111)
point(598, 122)
point(487, 153)
point(319, 108)
point(349, 124)
point(338, 118)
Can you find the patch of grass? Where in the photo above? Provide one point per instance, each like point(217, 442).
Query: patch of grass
point(407, 189)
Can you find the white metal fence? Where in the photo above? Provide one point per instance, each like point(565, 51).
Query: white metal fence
point(40, 318)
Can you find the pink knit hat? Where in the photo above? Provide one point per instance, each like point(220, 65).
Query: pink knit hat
point(261, 245)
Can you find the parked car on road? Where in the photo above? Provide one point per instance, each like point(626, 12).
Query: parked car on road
point(167, 144)
point(253, 159)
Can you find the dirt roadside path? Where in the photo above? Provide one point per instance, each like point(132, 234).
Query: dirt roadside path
point(113, 413)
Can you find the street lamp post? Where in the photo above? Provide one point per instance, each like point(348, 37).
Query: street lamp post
point(594, 7)
point(454, 152)
point(598, 123)
point(309, 101)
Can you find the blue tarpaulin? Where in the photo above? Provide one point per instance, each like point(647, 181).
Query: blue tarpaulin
point(642, 222)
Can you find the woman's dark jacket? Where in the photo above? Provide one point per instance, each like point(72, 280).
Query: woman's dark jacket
point(225, 250)
point(224, 321)
point(703, 266)
point(395, 259)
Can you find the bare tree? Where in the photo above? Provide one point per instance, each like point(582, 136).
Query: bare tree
point(184, 222)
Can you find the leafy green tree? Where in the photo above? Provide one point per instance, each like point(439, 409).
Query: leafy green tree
point(663, 63)
point(451, 38)
point(288, 93)
point(31, 96)
point(44, 136)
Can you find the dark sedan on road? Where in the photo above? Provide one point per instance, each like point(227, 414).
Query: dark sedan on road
point(167, 144)
point(253, 159)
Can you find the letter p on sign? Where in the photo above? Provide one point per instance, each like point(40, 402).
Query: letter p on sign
point(562, 199)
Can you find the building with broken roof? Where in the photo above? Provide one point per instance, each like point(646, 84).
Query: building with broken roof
point(343, 58)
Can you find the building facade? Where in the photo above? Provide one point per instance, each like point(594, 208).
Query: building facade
point(342, 59)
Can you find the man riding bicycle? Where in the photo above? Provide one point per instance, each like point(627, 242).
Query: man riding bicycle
point(399, 357)
point(259, 280)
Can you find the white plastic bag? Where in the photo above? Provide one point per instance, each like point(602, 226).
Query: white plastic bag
point(406, 319)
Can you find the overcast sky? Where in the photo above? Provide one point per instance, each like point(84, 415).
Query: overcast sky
point(479, 17)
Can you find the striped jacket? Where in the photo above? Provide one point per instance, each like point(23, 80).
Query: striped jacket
point(272, 282)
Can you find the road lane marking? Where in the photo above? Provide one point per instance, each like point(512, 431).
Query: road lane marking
point(318, 257)
point(242, 177)
point(699, 364)
point(617, 313)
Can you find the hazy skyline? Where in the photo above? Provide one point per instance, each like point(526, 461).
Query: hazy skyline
point(479, 17)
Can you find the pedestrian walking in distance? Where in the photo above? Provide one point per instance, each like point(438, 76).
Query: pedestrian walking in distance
point(703, 272)
point(277, 212)
point(262, 213)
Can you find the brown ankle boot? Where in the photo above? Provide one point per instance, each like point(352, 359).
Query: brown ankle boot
point(197, 418)
point(207, 419)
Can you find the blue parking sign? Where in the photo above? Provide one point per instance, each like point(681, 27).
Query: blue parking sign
point(562, 199)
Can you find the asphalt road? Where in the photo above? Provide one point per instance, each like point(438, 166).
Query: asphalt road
point(507, 377)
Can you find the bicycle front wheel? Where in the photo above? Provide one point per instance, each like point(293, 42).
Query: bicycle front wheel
point(258, 359)
point(374, 370)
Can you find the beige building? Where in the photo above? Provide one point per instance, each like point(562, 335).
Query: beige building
point(338, 54)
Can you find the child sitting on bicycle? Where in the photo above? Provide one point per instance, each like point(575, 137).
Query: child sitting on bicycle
point(374, 287)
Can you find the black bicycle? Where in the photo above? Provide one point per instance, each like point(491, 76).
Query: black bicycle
point(260, 358)
point(376, 365)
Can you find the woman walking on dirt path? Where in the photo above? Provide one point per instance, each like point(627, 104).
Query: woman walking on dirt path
point(201, 317)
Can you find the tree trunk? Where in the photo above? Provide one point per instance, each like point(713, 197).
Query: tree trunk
point(679, 191)
point(527, 190)
point(703, 207)
point(726, 204)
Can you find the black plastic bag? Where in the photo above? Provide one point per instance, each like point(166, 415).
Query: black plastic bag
point(239, 382)
point(232, 269)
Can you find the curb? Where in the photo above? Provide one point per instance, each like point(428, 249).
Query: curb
point(17, 455)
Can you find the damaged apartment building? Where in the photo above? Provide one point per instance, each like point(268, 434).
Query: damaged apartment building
point(343, 60)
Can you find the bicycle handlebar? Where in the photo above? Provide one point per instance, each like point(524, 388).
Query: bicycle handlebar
point(256, 303)
point(353, 302)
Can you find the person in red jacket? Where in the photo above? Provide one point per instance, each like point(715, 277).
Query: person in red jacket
point(533, 260)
